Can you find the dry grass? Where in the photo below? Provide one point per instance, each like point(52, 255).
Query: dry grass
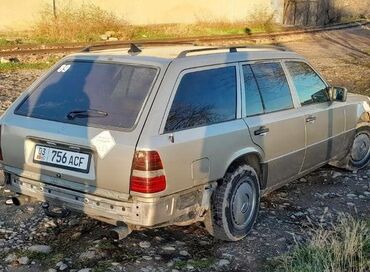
point(344, 248)
point(73, 24)
point(87, 22)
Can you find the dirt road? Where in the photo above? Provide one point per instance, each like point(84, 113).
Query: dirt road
point(315, 200)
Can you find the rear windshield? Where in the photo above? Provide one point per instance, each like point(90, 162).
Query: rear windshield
point(83, 93)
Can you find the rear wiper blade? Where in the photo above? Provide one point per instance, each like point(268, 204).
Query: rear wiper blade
point(86, 113)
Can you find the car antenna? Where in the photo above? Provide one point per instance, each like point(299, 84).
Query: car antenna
point(134, 50)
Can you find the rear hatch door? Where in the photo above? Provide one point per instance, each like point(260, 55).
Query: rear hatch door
point(80, 125)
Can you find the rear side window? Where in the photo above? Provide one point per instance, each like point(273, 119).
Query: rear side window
point(266, 88)
point(105, 94)
point(203, 98)
point(273, 86)
point(253, 102)
point(309, 86)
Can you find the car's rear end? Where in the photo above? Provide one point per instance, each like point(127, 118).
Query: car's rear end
point(71, 138)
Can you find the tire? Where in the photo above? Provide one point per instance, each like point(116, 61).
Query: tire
point(359, 155)
point(234, 205)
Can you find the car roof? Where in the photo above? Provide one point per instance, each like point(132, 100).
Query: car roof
point(188, 54)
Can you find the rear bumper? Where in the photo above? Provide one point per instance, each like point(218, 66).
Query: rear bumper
point(145, 212)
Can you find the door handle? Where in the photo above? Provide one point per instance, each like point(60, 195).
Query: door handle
point(262, 131)
point(311, 119)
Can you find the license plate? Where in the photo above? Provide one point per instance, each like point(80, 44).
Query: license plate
point(62, 158)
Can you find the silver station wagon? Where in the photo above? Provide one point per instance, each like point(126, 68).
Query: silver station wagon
point(178, 134)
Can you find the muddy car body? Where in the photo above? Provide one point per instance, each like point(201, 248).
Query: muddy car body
point(159, 137)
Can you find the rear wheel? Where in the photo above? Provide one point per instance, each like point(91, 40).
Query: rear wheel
point(235, 205)
point(360, 151)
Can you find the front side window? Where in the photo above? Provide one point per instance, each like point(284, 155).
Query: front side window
point(310, 88)
point(203, 98)
point(266, 86)
point(83, 93)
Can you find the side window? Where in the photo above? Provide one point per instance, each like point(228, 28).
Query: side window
point(273, 86)
point(309, 86)
point(203, 98)
point(253, 102)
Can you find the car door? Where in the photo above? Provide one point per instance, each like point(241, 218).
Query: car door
point(275, 124)
point(325, 120)
point(203, 121)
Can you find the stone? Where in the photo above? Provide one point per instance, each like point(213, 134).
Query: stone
point(52, 270)
point(336, 174)
point(104, 37)
point(76, 235)
point(299, 214)
point(88, 255)
point(10, 258)
point(223, 262)
point(4, 60)
point(63, 267)
point(189, 266)
point(169, 248)
point(110, 33)
point(40, 249)
point(85, 270)
point(144, 244)
point(147, 258)
point(23, 260)
point(184, 253)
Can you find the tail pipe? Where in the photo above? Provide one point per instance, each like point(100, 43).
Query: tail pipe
point(120, 232)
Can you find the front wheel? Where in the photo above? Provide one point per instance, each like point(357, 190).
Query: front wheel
point(360, 150)
point(235, 205)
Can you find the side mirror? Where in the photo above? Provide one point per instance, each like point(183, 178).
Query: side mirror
point(337, 94)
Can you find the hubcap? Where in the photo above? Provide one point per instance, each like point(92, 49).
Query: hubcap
point(243, 204)
point(361, 149)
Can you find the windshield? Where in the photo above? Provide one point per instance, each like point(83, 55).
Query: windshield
point(116, 91)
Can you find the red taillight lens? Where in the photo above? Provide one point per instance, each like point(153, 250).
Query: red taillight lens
point(148, 185)
point(147, 173)
point(147, 161)
point(1, 151)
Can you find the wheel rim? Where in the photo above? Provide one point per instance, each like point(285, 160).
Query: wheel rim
point(243, 204)
point(361, 149)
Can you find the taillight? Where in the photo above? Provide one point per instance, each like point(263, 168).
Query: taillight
point(1, 151)
point(147, 173)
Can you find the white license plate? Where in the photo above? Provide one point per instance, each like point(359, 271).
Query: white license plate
point(62, 158)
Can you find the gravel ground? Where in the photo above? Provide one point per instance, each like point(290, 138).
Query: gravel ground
point(286, 215)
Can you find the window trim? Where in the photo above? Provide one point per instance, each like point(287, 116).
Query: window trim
point(197, 69)
point(244, 108)
point(56, 66)
point(293, 85)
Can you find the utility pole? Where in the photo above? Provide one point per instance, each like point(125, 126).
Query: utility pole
point(54, 10)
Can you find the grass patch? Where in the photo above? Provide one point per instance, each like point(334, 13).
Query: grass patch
point(196, 263)
point(13, 66)
point(10, 67)
point(106, 245)
point(4, 42)
point(46, 259)
point(346, 247)
point(102, 266)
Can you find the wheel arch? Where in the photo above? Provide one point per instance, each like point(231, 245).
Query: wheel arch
point(253, 158)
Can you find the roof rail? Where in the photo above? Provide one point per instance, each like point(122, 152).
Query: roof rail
point(87, 48)
point(232, 49)
point(133, 48)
